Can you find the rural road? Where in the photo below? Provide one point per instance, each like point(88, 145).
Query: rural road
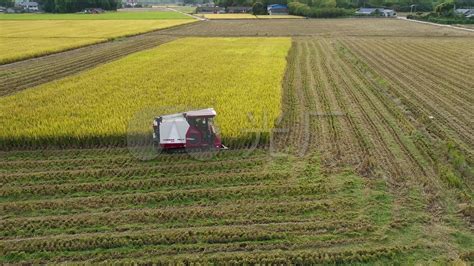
point(186, 14)
point(436, 24)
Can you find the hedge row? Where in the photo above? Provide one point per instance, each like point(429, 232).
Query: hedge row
point(300, 9)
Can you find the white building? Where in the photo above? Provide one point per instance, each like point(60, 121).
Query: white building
point(29, 6)
point(373, 11)
point(467, 12)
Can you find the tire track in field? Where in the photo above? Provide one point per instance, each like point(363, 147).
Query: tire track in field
point(378, 142)
point(416, 77)
point(392, 121)
point(433, 105)
point(300, 85)
point(387, 160)
point(328, 112)
point(386, 114)
point(452, 79)
point(318, 109)
point(339, 113)
point(457, 70)
point(430, 50)
point(423, 75)
point(404, 91)
point(321, 138)
point(290, 127)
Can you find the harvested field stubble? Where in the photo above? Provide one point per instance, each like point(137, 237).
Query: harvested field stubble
point(267, 207)
point(315, 27)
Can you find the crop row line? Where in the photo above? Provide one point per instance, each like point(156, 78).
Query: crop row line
point(295, 255)
point(424, 77)
point(123, 162)
point(402, 80)
point(392, 119)
point(212, 234)
point(147, 184)
point(130, 171)
point(159, 198)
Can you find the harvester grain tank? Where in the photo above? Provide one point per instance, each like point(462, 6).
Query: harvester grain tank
point(192, 130)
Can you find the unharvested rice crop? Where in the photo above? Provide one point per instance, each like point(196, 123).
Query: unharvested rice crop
point(234, 75)
point(24, 39)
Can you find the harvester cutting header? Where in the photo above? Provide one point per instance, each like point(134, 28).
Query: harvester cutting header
point(189, 130)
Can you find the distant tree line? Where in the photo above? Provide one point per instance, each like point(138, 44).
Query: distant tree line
point(445, 13)
point(70, 6)
point(7, 3)
point(226, 3)
point(398, 5)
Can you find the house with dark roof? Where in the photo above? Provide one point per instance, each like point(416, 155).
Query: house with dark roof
point(376, 10)
point(277, 9)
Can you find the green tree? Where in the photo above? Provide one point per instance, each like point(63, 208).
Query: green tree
point(7, 3)
point(324, 3)
point(259, 9)
point(105, 4)
point(445, 9)
point(377, 3)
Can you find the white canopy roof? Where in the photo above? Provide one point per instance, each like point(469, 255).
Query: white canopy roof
point(209, 112)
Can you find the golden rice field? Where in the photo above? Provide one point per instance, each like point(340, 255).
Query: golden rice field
point(21, 39)
point(100, 103)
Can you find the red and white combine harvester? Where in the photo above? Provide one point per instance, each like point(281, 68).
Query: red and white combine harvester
point(193, 130)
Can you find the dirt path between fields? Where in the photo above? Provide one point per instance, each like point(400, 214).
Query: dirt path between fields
point(186, 14)
point(436, 24)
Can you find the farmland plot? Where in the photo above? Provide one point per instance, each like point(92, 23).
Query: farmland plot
point(377, 114)
point(372, 164)
point(98, 204)
point(413, 70)
point(355, 119)
point(315, 27)
point(21, 39)
point(96, 105)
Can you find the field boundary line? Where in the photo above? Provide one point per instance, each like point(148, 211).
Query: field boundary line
point(435, 24)
point(186, 14)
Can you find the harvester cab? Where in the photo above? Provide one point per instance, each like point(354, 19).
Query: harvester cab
point(192, 130)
